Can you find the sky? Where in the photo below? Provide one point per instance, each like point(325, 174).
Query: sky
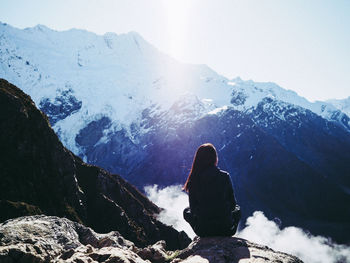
point(300, 45)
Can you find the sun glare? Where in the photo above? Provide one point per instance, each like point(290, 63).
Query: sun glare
point(177, 16)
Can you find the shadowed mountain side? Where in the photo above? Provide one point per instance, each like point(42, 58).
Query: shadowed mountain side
point(267, 176)
point(39, 175)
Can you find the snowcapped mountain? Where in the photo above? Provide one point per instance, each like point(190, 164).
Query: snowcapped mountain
point(248, 94)
point(91, 76)
point(118, 102)
point(77, 77)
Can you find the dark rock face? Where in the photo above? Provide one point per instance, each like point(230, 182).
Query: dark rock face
point(64, 105)
point(93, 132)
point(35, 167)
point(38, 170)
point(52, 239)
point(238, 98)
point(321, 144)
point(117, 155)
point(11, 209)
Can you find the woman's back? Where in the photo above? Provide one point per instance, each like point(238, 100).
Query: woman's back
point(213, 210)
point(211, 195)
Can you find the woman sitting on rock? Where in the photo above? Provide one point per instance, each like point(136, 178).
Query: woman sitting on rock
point(213, 210)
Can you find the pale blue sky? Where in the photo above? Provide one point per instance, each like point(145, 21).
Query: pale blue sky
point(301, 45)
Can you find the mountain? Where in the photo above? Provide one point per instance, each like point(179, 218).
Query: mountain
point(39, 175)
point(117, 102)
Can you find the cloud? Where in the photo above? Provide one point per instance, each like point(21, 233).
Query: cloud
point(292, 240)
point(174, 201)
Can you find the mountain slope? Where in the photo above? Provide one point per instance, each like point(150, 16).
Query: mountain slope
point(40, 174)
point(272, 173)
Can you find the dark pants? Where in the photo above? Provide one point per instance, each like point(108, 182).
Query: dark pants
point(205, 228)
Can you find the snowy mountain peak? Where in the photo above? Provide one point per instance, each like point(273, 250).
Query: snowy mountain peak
point(247, 95)
point(41, 28)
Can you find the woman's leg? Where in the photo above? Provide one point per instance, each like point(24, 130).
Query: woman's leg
point(188, 216)
point(236, 216)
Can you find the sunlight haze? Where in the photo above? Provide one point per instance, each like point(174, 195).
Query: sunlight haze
point(300, 45)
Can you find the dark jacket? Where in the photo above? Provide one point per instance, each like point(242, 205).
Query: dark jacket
point(212, 203)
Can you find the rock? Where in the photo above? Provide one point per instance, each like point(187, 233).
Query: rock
point(52, 239)
point(230, 250)
point(39, 175)
point(155, 253)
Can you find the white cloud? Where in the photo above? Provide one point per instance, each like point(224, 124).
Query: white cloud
point(292, 240)
point(174, 201)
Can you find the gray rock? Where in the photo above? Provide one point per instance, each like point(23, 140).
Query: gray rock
point(216, 250)
point(53, 239)
point(230, 250)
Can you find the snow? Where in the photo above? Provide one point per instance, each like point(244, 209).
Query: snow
point(120, 75)
point(256, 91)
point(343, 104)
point(218, 110)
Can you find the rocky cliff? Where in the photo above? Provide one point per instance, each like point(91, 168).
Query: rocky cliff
point(39, 175)
point(53, 239)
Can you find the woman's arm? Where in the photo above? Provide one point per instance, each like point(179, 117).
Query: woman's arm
point(230, 192)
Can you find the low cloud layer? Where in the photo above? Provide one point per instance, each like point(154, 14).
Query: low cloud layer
point(174, 201)
point(292, 240)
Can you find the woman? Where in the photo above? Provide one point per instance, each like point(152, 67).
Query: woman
point(213, 210)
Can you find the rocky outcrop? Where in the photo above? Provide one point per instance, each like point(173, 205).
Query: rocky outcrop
point(53, 239)
point(39, 175)
point(230, 249)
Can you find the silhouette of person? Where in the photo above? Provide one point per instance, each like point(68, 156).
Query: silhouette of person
point(213, 209)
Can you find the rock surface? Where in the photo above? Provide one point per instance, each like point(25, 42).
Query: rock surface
point(52, 239)
point(39, 175)
point(230, 250)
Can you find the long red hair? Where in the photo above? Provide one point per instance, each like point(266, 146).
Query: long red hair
point(205, 157)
